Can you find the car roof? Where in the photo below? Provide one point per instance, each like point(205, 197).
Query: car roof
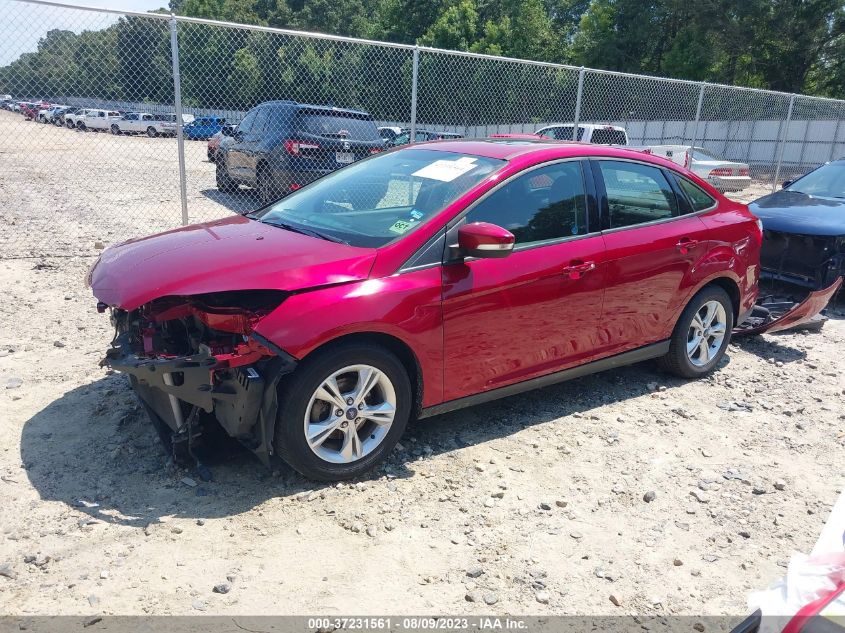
point(511, 148)
point(311, 106)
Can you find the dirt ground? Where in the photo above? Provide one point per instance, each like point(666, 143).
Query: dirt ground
point(534, 504)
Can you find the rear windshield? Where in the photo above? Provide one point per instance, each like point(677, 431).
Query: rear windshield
point(608, 137)
point(336, 125)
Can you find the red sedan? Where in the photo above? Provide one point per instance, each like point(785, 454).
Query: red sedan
point(421, 280)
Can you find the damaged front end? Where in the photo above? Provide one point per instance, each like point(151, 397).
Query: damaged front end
point(195, 360)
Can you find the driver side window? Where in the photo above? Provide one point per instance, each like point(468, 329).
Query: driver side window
point(246, 125)
point(545, 204)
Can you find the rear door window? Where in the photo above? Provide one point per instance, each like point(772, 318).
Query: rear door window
point(246, 125)
point(336, 125)
point(260, 121)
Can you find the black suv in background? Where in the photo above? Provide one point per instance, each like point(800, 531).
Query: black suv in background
point(281, 146)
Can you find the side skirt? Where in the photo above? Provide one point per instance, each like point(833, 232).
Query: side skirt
point(626, 358)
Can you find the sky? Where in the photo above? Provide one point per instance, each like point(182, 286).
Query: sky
point(23, 24)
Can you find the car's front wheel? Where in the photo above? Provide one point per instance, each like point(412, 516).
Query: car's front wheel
point(224, 181)
point(151, 132)
point(701, 335)
point(115, 129)
point(81, 126)
point(342, 411)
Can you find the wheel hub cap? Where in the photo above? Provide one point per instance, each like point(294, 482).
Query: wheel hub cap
point(350, 414)
point(706, 333)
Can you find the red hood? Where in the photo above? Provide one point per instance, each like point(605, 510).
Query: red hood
point(231, 254)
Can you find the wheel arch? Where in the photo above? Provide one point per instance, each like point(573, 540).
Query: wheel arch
point(730, 286)
point(393, 344)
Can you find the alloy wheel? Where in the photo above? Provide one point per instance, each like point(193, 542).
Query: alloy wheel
point(706, 333)
point(350, 414)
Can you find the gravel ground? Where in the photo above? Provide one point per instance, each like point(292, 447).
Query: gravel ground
point(625, 492)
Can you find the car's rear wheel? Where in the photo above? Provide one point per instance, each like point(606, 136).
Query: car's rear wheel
point(115, 129)
point(151, 132)
point(81, 126)
point(701, 335)
point(70, 125)
point(342, 411)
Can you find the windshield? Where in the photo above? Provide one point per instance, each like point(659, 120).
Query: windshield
point(375, 201)
point(828, 181)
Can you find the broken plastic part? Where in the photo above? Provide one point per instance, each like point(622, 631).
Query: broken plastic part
point(800, 314)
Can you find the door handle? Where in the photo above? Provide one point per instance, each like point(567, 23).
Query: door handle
point(578, 268)
point(685, 243)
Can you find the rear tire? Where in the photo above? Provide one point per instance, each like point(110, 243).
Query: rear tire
point(701, 335)
point(151, 132)
point(115, 130)
point(81, 126)
point(224, 181)
point(355, 445)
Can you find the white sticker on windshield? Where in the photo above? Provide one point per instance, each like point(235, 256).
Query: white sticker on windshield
point(446, 170)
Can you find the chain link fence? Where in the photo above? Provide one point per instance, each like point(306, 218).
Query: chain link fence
point(145, 97)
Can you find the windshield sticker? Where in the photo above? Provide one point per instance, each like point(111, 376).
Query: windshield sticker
point(446, 170)
point(417, 215)
point(400, 227)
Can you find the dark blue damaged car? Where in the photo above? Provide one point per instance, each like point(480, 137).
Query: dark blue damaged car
point(804, 228)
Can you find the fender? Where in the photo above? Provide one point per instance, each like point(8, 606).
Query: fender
point(406, 306)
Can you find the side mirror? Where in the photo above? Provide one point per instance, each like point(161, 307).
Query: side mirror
point(485, 240)
point(786, 183)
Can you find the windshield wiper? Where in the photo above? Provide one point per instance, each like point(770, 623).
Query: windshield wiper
point(304, 231)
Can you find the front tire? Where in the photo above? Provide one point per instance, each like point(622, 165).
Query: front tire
point(701, 335)
point(224, 181)
point(81, 126)
point(342, 411)
point(151, 132)
point(115, 130)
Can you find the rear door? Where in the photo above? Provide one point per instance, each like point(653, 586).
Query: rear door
point(539, 309)
point(652, 250)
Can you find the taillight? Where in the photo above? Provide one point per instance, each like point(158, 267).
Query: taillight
point(721, 171)
point(376, 150)
point(294, 148)
point(743, 171)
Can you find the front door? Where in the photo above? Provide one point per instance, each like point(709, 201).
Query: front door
point(536, 311)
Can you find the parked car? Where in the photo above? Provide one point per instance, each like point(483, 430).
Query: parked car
point(421, 136)
point(53, 113)
point(315, 328)
point(389, 132)
point(204, 127)
point(59, 118)
point(30, 110)
point(804, 227)
point(72, 119)
point(725, 175)
point(43, 114)
point(136, 123)
point(281, 146)
point(598, 133)
point(214, 140)
point(96, 119)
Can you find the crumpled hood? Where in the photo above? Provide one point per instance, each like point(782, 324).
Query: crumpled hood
point(794, 212)
point(232, 254)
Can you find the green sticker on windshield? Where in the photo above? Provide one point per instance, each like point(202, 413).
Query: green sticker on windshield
point(400, 227)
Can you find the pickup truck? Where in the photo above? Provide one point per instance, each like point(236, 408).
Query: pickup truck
point(97, 119)
point(598, 133)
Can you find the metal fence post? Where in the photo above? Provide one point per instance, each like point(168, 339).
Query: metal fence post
point(783, 143)
point(698, 114)
point(180, 138)
point(414, 79)
point(577, 117)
